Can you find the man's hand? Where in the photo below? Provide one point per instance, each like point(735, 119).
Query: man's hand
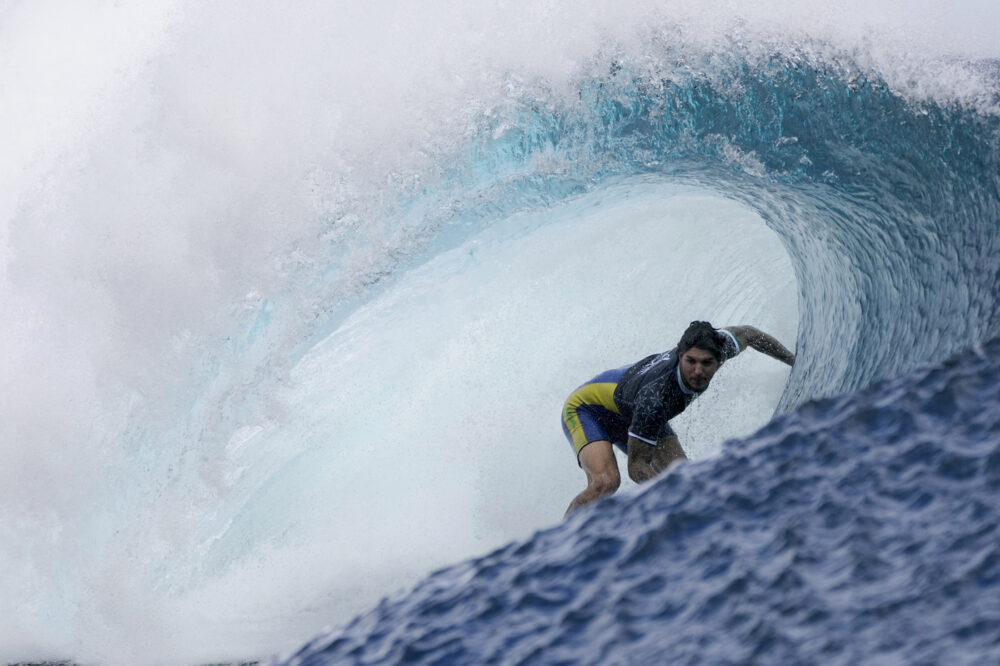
point(646, 461)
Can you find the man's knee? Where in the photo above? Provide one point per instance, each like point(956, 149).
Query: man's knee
point(598, 461)
point(605, 482)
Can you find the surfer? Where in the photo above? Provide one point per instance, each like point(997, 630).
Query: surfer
point(631, 407)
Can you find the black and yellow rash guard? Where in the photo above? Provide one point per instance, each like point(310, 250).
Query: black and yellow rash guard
point(635, 401)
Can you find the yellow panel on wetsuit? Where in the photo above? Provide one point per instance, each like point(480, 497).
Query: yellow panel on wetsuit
point(590, 413)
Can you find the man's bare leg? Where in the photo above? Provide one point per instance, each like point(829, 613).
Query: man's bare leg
point(646, 461)
point(598, 461)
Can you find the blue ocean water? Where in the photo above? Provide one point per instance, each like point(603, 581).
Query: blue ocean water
point(298, 295)
point(858, 528)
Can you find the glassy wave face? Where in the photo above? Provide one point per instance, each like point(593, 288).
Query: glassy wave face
point(294, 332)
point(886, 206)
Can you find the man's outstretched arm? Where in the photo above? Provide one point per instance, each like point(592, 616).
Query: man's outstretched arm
point(762, 342)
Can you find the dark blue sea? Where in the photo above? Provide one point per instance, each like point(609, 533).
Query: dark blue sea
point(294, 295)
point(857, 529)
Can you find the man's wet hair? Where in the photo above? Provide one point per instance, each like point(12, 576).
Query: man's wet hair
point(702, 335)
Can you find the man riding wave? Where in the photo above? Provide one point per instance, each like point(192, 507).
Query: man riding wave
point(631, 407)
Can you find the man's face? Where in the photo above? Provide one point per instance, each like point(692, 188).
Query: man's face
point(697, 368)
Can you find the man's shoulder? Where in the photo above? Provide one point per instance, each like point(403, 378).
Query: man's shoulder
point(648, 375)
point(732, 344)
point(655, 365)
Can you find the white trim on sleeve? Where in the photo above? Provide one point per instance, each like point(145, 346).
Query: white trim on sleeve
point(648, 441)
point(735, 340)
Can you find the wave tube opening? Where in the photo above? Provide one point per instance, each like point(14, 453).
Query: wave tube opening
point(454, 408)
